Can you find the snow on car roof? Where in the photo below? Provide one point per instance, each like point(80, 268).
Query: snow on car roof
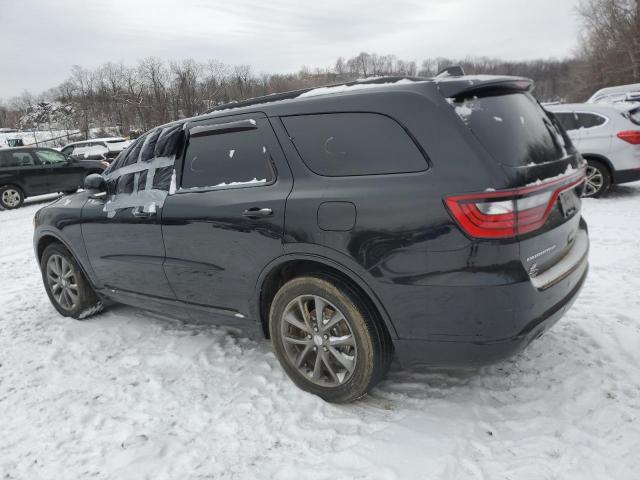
point(631, 87)
point(592, 107)
point(103, 139)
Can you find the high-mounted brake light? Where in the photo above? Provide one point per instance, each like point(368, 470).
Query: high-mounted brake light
point(507, 213)
point(631, 136)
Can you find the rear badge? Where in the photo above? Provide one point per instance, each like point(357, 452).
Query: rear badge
point(541, 253)
point(533, 270)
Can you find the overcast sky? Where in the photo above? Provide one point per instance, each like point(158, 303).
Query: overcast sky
point(41, 39)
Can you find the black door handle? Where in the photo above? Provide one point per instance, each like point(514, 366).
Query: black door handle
point(257, 212)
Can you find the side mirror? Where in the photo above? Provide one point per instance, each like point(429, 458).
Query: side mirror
point(95, 181)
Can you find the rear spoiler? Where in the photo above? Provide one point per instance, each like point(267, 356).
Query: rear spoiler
point(451, 87)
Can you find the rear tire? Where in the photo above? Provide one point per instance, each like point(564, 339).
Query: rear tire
point(65, 283)
point(11, 197)
point(338, 356)
point(598, 179)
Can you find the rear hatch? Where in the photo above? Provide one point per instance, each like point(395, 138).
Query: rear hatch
point(541, 205)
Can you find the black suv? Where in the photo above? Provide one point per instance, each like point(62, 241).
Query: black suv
point(434, 219)
point(25, 172)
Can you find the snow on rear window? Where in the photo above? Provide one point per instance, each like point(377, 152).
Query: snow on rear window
point(512, 127)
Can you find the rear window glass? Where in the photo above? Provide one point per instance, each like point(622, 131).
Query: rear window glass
point(513, 128)
point(347, 144)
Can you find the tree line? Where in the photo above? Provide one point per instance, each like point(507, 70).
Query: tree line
point(155, 91)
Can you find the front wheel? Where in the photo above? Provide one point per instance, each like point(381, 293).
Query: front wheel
point(65, 283)
point(327, 338)
point(11, 197)
point(598, 179)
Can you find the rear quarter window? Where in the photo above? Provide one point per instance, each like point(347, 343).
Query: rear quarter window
point(350, 144)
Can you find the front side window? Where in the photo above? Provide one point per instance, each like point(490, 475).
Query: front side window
point(49, 157)
point(227, 159)
point(349, 144)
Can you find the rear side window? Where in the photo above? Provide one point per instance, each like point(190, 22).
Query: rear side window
point(16, 159)
point(513, 128)
point(348, 144)
point(227, 159)
point(590, 120)
point(568, 120)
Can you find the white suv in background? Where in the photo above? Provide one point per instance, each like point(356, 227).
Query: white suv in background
point(96, 148)
point(619, 93)
point(608, 137)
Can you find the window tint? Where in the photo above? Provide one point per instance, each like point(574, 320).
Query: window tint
point(67, 150)
point(346, 144)
point(568, 120)
point(590, 120)
point(16, 159)
point(50, 157)
point(230, 158)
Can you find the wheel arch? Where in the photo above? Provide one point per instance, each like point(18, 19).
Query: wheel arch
point(602, 159)
point(290, 266)
point(46, 239)
point(17, 185)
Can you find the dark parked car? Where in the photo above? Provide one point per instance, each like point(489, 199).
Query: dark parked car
point(25, 172)
point(437, 220)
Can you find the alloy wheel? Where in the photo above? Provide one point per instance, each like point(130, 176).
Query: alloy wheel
point(595, 181)
point(11, 197)
point(318, 340)
point(62, 282)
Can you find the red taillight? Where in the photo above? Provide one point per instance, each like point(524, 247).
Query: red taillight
point(631, 136)
point(507, 213)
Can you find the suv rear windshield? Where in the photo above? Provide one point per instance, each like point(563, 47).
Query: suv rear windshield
point(513, 128)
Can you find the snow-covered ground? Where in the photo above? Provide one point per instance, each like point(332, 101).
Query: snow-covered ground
point(132, 395)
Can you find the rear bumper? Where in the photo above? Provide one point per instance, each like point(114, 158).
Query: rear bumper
point(468, 353)
point(485, 324)
point(626, 176)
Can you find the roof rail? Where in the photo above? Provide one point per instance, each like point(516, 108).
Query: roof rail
point(274, 97)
